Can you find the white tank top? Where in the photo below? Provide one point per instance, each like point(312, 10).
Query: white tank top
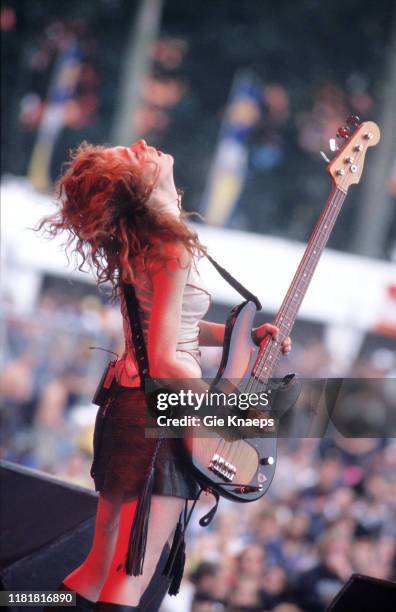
point(196, 301)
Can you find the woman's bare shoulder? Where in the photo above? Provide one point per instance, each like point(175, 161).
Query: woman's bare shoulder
point(173, 257)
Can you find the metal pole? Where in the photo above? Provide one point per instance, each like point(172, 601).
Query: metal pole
point(375, 209)
point(144, 29)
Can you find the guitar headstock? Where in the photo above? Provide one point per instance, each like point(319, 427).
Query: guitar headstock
point(347, 166)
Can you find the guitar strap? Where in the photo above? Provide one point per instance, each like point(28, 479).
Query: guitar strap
point(245, 293)
point(139, 344)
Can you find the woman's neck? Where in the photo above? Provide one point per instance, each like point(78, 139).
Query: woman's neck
point(165, 198)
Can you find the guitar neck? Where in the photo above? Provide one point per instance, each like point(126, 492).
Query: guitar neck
point(284, 320)
point(288, 311)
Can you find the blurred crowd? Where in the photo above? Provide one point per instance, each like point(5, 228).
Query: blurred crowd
point(330, 511)
point(303, 103)
point(331, 508)
point(51, 363)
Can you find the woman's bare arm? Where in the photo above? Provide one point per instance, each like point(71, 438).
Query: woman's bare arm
point(168, 280)
point(212, 334)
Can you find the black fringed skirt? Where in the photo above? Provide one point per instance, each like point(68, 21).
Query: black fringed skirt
point(122, 454)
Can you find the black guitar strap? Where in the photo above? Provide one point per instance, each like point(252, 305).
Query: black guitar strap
point(245, 293)
point(137, 332)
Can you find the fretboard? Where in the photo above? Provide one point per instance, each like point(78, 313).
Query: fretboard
point(268, 358)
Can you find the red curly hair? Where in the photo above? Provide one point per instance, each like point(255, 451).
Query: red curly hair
point(102, 205)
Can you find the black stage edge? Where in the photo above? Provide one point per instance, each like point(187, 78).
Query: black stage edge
point(365, 594)
point(46, 529)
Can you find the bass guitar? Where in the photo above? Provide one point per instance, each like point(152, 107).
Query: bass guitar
point(242, 469)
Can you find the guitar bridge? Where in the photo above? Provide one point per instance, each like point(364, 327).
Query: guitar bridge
point(222, 468)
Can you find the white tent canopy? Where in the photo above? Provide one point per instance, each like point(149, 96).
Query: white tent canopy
point(346, 290)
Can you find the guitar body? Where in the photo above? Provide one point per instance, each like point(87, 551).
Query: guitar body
point(212, 457)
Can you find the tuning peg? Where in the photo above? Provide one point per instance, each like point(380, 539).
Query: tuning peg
point(333, 145)
point(353, 120)
point(343, 132)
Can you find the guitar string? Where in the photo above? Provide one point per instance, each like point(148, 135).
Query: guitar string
point(318, 240)
point(329, 216)
point(337, 197)
point(335, 201)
